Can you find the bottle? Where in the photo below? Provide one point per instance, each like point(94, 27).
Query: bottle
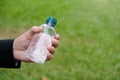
point(37, 50)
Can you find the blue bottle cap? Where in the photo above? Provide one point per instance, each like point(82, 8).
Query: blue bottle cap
point(52, 21)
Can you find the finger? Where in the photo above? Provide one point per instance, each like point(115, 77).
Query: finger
point(51, 50)
point(55, 43)
point(49, 57)
point(33, 30)
point(57, 37)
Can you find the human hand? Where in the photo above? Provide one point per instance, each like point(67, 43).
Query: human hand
point(22, 42)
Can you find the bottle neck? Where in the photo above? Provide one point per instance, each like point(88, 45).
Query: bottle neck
point(50, 24)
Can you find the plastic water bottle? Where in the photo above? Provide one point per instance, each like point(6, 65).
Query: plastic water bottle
point(37, 50)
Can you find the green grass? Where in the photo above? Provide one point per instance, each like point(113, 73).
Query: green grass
point(90, 38)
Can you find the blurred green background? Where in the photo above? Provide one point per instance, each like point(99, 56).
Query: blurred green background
point(90, 38)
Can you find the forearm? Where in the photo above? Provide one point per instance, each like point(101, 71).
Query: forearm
point(6, 55)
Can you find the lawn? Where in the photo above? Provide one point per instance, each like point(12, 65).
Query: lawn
point(90, 38)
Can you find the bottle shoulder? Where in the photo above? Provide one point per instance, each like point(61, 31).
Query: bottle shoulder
point(47, 26)
point(48, 30)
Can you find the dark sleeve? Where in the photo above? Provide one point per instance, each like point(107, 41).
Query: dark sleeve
point(6, 55)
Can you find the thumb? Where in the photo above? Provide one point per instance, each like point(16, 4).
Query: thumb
point(33, 30)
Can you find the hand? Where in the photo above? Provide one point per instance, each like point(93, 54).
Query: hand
point(22, 42)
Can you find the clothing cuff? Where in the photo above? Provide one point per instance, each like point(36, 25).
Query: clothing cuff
point(7, 59)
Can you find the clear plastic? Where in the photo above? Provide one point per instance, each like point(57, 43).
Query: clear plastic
point(37, 50)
